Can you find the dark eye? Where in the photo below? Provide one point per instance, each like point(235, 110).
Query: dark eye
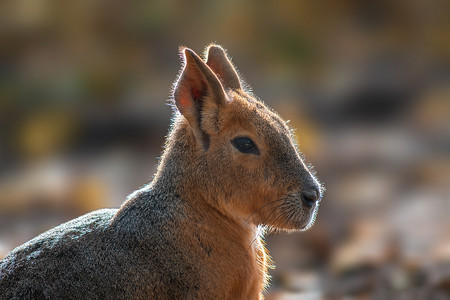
point(245, 145)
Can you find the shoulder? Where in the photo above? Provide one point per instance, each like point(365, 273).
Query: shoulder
point(62, 236)
point(151, 206)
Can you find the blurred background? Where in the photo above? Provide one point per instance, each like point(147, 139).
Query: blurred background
point(83, 115)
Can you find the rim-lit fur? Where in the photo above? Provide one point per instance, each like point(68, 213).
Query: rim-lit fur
point(195, 231)
point(248, 191)
point(261, 190)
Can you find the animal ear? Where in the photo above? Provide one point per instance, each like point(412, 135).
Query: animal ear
point(198, 94)
point(219, 62)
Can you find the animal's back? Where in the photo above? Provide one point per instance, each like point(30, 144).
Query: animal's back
point(133, 252)
point(61, 258)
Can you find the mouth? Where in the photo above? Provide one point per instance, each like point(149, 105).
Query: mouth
point(307, 207)
point(290, 213)
point(312, 217)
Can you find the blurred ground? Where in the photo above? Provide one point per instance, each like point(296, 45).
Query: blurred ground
point(83, 86)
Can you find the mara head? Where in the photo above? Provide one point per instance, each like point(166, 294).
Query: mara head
point(239, 155)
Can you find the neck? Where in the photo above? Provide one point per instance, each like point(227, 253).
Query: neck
point(173, 172)
point(183, 173)
point(183, 181)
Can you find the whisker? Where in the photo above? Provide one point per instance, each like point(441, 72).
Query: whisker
point(278, 205)
point(291, 215)
point(281, 215)
point(262, 207)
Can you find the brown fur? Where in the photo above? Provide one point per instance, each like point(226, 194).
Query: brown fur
point(194, 232)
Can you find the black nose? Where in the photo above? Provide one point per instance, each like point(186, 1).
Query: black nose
point(309, 198)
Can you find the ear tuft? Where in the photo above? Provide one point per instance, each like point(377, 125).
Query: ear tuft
point(216, 50)
point(189, 55)
point(221, 65)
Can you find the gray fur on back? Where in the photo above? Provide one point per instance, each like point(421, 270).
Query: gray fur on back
point(104, 254)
